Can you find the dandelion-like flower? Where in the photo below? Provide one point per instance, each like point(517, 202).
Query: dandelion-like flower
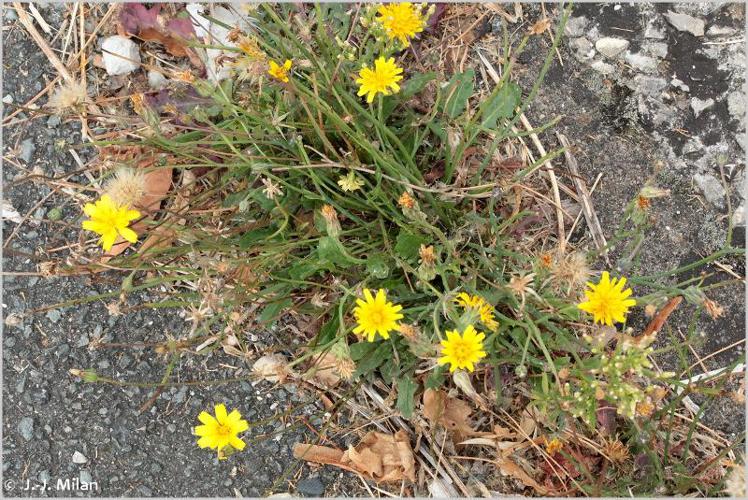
point(382, 79)
point(350, 182)
point(271, 189)
point(406, 201)
point(222, 430)
point(608, 300)
point(462, 350)
point(376, 315)
point(280, 72)
point(483, 308)
point(401, 21)
point(109, 220)
point(126, 187)
point(69, 97)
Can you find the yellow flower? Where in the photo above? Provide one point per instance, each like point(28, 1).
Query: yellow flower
point(383, 78)
point(376, 315)
point(222, 430)
point(607, 301)
point(350, 182)
point(110, 220)
point(401, 20)
point(280, 72)
point(479, 304)
point(462, 351)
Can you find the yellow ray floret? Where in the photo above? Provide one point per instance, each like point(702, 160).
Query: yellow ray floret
point(375, 315)
point(222, 430)
point(401, 20)
point(280, 72)
point(608, 300)
point(382, 79)
point(462, 350)
point(478, 303)
point(110, 220)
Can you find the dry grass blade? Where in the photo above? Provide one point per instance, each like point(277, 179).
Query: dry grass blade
point(28, 24)
point(593, 223)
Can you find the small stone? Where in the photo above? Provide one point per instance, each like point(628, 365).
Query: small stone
point(54, 214)
point(679, 84)
point(641, 62)
point(26, 428)
point(698, 105)
point(720, 31)
point(85, 477)
point(657, 49)
point(736, 105)
point(79, 458)
point(583, 48)
point(575, 26)
point(654, 32)
point(53, 121)
point(121, 55)
point(8, 99)
point(610, 47)
point(738, 217)
point(311, 487)
point(27, 150)
point(603, 67)
point(684, 22)
point(156, 80)
point(649, 85)
point(11, 14)
point(711, 188)
point(54, 315)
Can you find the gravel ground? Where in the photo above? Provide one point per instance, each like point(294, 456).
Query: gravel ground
point(630, 116)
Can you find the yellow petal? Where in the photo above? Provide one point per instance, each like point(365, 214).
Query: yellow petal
point(207, 418)
point(221, 413)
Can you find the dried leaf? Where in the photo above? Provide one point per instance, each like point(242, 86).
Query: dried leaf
point(272, 367)
point(323, 370)
point(381, 457)
point(540, 26)
point(150, 26)
point(509, 468)
point(452, 413)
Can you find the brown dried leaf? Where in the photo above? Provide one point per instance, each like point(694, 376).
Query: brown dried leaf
point(541, 26)
point(452, 413)
point(509, 468)
point(381, 457)
point(323, 369)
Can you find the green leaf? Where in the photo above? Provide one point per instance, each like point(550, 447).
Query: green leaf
point(373, 360)
point(407, 244)
point(415, 84)
point(303, 269)
point(459, 90)
point(436, 379)
point(329, 330)
point(255, 235)
point(377, 267)
point(501, 104)
point(272, 311)
point(331, 250)
point(406, 393)
point(361, 349)
point(389, 371)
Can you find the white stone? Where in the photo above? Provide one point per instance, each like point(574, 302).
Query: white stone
point(736, 105)
point(603, 67)
point(575, 26)
point(738, 218)
point(700, 105)
point(711, 188)
point(156, 80)
point(583, 48)
point(654, 32)
point(684, 22)
point(611, 47)
point(120, 54)
point(641, 62)
point(657, 49)
point(720, 31)
point(680, 84)
point(79, 458)
point(650, 85)
point(8, 99)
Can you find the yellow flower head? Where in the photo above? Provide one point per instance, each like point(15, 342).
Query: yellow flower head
point(110, 220)
point(462, 351)
point(479, 304)
point(607, 301)
point(401, 20)
point(376, 315)
point(350, 182)
point(383, 78)
point(222, 430)
point(280, 72)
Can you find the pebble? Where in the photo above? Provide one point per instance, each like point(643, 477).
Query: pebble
point(575, 26)
point(311, 487)
point(156, 80)
point(654, 32)
point(738, 217)
point(684, 22)
point(27, 150)
point(54, 315)
point(711, 188)
point(657, 49)
point(699, 106)
point(79, 458)
point(649, 85)
point(641, 62)
point(720, 31)
point(121, 55)
point(53, 121)
point(85, 477)
point(679, 84)
point(603, 67)
point(26, 428)
point(610, 47)
point(583, 48)
point(736, 105)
